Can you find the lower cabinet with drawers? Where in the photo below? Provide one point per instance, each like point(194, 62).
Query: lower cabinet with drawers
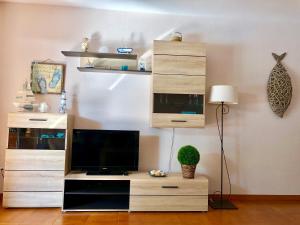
point(135, 192)
point(35, 159)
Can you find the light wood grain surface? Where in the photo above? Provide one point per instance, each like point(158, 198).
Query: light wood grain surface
point(168, 203)
point(33, 180)
point(179, 48)
point(169, 187)
point(177, 120)
point(32, 199)
point(179, 84)
point(180, 65)
point(34, 159)
point(37, 120)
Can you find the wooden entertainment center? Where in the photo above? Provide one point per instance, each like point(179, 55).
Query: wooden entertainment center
point(135, 192)
point(37, 174)
point(38, 156)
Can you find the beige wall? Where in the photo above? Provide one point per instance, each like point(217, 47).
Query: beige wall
point(262, 150)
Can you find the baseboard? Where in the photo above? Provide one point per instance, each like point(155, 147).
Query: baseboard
point(261, 197)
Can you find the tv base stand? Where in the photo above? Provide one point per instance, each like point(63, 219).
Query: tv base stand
point(106, 173)
point(135, 192)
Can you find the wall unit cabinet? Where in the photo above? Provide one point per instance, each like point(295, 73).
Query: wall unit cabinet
point(35, 160)
point(178, 84)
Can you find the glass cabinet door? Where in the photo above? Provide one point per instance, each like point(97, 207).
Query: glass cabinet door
point(178, 103)
point(36, 138)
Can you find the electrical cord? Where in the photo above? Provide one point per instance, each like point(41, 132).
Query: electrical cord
point(171, 151)
point(225, 111)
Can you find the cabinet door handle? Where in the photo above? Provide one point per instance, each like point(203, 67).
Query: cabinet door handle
point(179, 121)
point(167, 186)
point(36, 119)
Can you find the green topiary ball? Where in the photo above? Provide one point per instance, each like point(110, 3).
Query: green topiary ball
point(188, 155)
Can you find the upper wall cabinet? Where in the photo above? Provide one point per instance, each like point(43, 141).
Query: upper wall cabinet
point(178, 84)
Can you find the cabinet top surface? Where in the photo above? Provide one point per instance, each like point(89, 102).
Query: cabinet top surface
point(133, 176)
point(37, 114)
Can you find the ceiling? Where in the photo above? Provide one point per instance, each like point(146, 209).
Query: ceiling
point(261, 8)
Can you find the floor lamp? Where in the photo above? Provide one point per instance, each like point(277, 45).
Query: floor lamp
point(222, 95)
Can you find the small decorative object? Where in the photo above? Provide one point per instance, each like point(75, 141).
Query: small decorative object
point(124, 67)
point(142, 64)
point(188, 156)
point(279, 87)
point(47, 77)
point(43, 107)
point(63, 102)
point(157, 173)
point(176, 36)
point(85, 44)
point(25, 100)
point(124, 50)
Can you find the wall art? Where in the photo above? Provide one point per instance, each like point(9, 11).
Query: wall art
point(279, 87)
point(47, 78)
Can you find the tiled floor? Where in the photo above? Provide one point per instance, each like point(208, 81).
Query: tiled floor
point(249, 213)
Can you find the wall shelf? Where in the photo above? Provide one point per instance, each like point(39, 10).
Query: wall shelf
point(98, 70)
point(98, 55)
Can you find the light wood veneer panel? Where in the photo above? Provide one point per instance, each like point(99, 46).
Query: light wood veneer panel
point(37, 120)
point(179, 65)
point(179, 84)
point(168, 203)
point(34, 159)
point(33, 180)
point(32, 199)
point(169, 187)
point(177, 120)
point(179, 48)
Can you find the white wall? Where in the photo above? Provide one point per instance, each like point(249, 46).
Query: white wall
point(262, 150)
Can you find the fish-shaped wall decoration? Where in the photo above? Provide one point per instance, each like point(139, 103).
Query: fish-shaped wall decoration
point(279, 87)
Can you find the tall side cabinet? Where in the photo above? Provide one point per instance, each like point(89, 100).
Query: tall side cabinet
point(35, 159)
point(178, 84)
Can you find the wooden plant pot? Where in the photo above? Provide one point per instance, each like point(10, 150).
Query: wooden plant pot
point(188, 171)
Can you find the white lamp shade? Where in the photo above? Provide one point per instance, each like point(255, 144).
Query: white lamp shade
point(223, 93)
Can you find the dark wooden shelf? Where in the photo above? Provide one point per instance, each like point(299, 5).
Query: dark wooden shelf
point(99, 70)
point(99, 55)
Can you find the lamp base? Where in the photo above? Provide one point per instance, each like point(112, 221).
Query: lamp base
point(221, 204)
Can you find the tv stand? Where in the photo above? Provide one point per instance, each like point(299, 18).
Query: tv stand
point(135, 192)
point(107, 172)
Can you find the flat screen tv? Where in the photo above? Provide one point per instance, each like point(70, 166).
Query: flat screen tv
point(105, 151)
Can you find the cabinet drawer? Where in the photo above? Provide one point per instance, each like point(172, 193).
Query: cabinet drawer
point(184, 65)
point(177, 120)
point(179, 84)
point(33, 180)
point(168, 203)
point(37, 120)
point(179, 48)
point(34, 159)
point(32, 199)
point(168, 187)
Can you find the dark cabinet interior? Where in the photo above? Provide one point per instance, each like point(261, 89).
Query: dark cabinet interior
point(96, 194)
point(178, 103)
point(36, 138)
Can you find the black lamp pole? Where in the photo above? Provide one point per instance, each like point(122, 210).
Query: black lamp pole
point(221, 203)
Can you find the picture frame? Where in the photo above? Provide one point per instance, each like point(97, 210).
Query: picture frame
point(47, 78)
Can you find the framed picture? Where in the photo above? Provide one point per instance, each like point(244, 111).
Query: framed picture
point(47, 78)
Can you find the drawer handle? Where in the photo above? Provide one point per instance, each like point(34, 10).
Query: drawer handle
point(179, 121)
point(40, 120)
point(169, 186)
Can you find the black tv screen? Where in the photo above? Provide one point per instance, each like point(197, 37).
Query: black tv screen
point(95, 150)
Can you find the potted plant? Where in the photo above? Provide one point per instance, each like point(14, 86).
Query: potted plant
point(188, 156)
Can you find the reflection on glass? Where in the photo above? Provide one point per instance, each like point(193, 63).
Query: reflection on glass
point(178, 103)
point(36, 138)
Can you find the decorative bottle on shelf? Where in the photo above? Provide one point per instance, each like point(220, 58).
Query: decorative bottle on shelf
point(63, 102)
